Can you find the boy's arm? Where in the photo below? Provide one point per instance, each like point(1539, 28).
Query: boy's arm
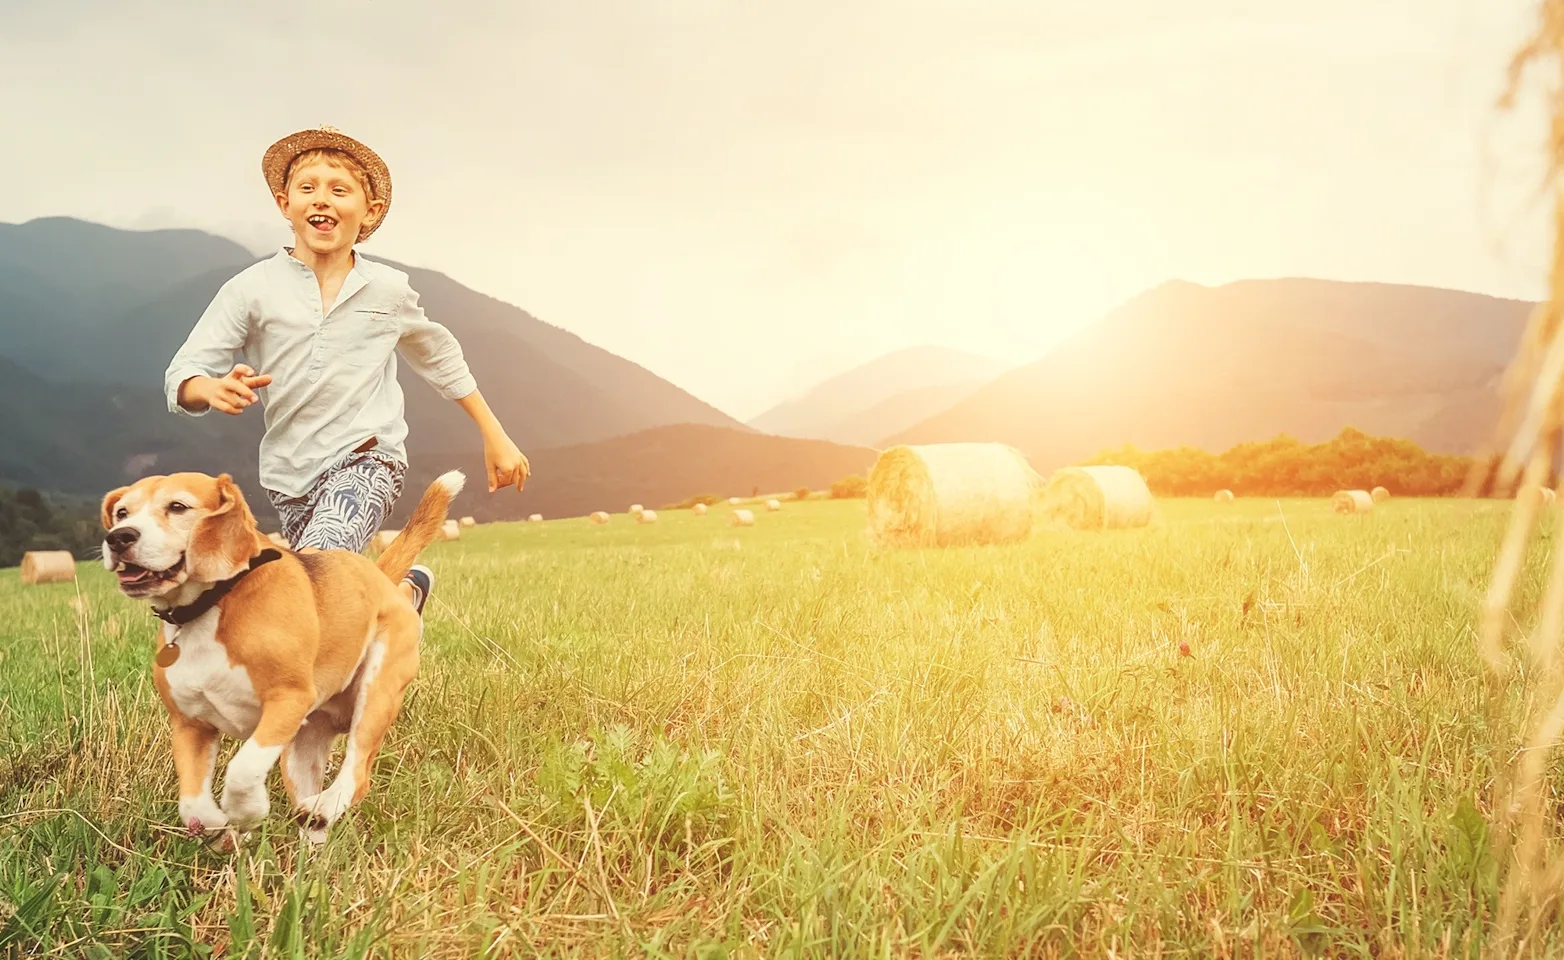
point(434, 354)
point(208, 355)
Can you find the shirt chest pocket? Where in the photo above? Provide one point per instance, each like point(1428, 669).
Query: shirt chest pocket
point(362, 336)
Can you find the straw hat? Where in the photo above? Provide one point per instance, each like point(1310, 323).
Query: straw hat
point(274, 165)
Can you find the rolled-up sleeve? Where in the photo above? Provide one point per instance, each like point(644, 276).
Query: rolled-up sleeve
point(433, 352)
point(212, 345)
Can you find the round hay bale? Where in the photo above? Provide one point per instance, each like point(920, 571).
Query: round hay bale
point(1379, 494)
point(535, 518)
point(469, 522)
point(1352, 501)
point(735, 501)
point(700, 509)
point(599, 517)
point(1224, 496)
point(950, 493)
point(384, 537)
point(646, 516)
point(48, 566)
point(773, 505)
point(450, 530)
point(1097, 498)
point(635, 508)
point(742, 518)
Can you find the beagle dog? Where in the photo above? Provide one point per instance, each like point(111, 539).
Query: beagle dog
point(284, 650)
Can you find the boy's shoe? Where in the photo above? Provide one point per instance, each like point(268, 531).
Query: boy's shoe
point(422, 579)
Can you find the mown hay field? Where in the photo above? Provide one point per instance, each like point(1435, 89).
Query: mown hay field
point(690, 739)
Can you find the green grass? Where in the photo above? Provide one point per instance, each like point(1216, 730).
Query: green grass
point(693, 740)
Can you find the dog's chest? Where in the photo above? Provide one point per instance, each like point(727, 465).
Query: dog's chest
point(205, 686)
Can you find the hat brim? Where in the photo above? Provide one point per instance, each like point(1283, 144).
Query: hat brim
point(274, 166)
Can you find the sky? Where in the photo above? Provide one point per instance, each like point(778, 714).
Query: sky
point(748, 198)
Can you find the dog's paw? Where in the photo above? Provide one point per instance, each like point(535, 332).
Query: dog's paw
point(201, 816)
point(319, 812)
point(245, 806)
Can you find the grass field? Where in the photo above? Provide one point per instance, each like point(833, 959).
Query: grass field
point(693, 740)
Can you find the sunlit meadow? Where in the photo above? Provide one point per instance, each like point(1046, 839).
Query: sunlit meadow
point(1249, 729)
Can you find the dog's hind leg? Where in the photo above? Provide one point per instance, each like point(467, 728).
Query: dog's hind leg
point(306, 756)
point(389, 666)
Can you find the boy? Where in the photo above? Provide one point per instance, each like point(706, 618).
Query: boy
point(322, 327)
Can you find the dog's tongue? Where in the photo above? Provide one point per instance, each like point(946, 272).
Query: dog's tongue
point(134, 575)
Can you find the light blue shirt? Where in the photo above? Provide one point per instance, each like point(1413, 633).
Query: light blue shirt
point(333, 370)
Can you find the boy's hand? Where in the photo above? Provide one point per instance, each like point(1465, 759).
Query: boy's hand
point(230, 394)
point(505, 463)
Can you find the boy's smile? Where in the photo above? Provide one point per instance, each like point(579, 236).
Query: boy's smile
point(326, 205)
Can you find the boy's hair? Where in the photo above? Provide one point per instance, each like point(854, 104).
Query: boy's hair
point(336, 158)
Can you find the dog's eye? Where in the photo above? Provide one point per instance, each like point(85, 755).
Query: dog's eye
point(177, 507)
point(121, 513)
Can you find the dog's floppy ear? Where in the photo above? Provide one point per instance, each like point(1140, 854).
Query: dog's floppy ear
point(109, 500)
point(224, 540)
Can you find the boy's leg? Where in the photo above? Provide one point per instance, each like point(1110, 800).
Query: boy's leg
point(347, 506)
point(350, 502)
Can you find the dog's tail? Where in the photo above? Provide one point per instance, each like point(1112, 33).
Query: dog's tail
point(428, 517)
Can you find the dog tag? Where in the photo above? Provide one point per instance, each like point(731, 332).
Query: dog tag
point(167, 655)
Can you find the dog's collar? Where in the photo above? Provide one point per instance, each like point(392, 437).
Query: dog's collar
point(179, 616)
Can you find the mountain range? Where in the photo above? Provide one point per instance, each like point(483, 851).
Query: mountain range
point(882, 397)
point(1215, 366)
point(89, 316)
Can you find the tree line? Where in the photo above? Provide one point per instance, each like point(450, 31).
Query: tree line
point(30, 521)
point(1287, 467)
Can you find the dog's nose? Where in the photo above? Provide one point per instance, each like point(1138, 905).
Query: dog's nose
point(122, 537)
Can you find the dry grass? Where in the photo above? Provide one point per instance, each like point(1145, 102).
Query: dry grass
point(688, 740)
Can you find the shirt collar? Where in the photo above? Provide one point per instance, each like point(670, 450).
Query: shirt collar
point(355, 281)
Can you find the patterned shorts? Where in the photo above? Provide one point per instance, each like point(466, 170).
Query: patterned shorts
point(346, 505)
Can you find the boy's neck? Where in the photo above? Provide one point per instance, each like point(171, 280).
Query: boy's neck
point(324, 265)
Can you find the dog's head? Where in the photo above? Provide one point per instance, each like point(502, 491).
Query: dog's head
point(163, 532)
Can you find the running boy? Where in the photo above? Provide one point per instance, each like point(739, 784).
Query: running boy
point(321, 328)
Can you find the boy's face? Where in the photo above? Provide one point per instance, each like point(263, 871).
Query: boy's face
point(326, 206)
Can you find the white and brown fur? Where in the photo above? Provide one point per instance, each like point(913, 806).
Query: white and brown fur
point(302, 650)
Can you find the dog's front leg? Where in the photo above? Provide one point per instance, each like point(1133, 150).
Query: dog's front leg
point(195, 757)
point(244, 784)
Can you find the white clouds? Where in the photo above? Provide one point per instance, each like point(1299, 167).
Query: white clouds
point(683, 181)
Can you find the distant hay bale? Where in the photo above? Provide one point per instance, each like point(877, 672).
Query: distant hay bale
point(950, 493)
point(450, 530)
point(469, 522)
point(735, 501)
point(635, 508)
point(48, 566)
point(773, 505)
point(535, 518)
point(1379, 494)
point(1224, 496)
point(599, 517)
point(1097, 498)
point(646, 516)
point(1352, 501)
point(742, 518)
point(700, 509)
point(384, 537)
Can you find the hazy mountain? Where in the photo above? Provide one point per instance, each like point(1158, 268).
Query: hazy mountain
point(1211, 367)
point(869, 427)
point(882, 396)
